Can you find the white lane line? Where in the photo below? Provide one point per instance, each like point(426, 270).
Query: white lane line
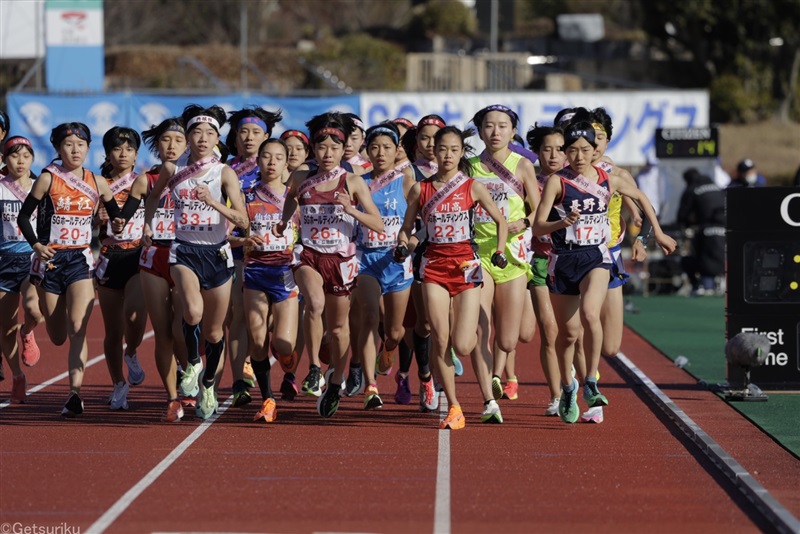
point(441, 511)
point(65, 374)
point(119, 507)
point(781, 518)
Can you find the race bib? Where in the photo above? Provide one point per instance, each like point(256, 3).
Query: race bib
point(449, 227)
point(262, 225)
point(147, 256)
point(71, 230)
point(326, 227)
point(387, 238)
point(195, 216)
point(408, 268)
point(590, 229)
point(349, 270)
point(164, 224)
point(473, 273)
point(499, 193)
point(133, 229)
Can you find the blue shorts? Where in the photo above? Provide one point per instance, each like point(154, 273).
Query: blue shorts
point(212, 264)
point(618, 275)
point(14, 269)
point(277, 281)
point(568, 268)
point(116, 266)
point(67, 267)
point(380, 265)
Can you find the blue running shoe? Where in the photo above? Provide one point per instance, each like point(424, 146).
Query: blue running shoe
point(458, 367)
point(592, 395)
point(568, 405)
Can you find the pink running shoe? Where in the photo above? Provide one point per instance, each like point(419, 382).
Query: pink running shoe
point(30, 350)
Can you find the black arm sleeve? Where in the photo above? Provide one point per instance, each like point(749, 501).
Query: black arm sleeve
point(647, 228)
point(112, 208)
point(130, 207)
point(24, 219)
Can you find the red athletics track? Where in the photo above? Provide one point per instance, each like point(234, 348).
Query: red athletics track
point(381, 471)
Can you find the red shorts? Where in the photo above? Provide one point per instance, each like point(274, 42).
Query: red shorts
point(338, 272)
point(155, 260)
point(454, 273)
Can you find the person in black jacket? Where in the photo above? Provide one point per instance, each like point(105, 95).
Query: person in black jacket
point(702, 208)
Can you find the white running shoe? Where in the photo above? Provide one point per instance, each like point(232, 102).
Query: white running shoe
point(552, 408)
point(190, 380)
point(207, 402)
point(491, 413)
point(593, 415)
point(135, 371)
point(119, 397)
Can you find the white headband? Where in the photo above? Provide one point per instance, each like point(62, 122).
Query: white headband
point(203, 118)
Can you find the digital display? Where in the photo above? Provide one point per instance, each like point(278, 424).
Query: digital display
point(687, 142)
point(771, 272)
point(771, 260)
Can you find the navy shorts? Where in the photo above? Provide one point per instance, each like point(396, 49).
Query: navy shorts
point(380, 265)
point(14, 269)
point(212, 264)
point(618, 274)
point(116, 266)
point(568, 268)
point(276, 281)
point(67, 267)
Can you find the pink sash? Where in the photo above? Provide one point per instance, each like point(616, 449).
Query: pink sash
point(244, 167)
point(386, 178)
point(270, 196)
point(319, 179)
point(433, 202)
point(190, 171)
point(15, 189)
point(120, 184)
point(503, 173)
point(429, 167)
point(73, 181)
point(581, 181)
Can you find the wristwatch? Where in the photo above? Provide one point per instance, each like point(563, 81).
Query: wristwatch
point(643, 240)
point(526, 222)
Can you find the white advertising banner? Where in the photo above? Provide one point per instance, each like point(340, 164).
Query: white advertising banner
point(635, 114)
point(21, 29)
point(74, 23)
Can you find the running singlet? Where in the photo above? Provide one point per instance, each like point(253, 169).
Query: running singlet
point(391, 202)
point(424, 169)
point(324, 226)
point(614, 211)
point(265, 209)
point(195, 221)
point(131, 235)
point(591, 200)
point(361, 161)
point(164, 218)
point(65, 213)
point(541, 245)
point(508, 201)
point(249, 177)
point(11, 198)
point(450, 224)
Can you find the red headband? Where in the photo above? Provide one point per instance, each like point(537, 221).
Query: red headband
point(295, 133)
point(329, 131)
point(14, 141)
point(433, 121)
point(405, 122)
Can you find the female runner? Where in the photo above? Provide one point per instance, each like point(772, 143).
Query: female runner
point(450, 268)
point(15, 266)
point(67, 196)
point(201, 262)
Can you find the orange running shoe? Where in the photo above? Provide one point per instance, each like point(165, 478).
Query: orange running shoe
point(268, 411)
point(385, 361)
point(510, 390)
point(29, 350)
point(174, 412)
point(288, 362)
point(454, 420)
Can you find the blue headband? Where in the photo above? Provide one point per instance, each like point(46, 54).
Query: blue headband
point(256, 121)
point(499, 107)
point(382, 130)
point(572, 135)
point(3, 122)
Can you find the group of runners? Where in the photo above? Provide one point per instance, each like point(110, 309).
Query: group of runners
point(355, 246)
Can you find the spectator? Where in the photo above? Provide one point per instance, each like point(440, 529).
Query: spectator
point(747, 175)
point(721, 178)
point(702, 208)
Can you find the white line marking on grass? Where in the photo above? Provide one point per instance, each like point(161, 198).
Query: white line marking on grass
point(119, 507)
point(441, 512)
point(65, 374)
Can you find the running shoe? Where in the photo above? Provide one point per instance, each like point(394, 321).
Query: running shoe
point(135, 371)
point(73, 406)
point(593, 415)
point(248, 375)
point(497, 388)
point(354, 385)
point(428, 398)
point(592, 395)
point(373, 400)
point(288, 387)
point(207, 402)
point(288, 363)
point(568, 405)
point(491, 413)
point(190, 386)
point(327, 380)
point(552, 408)
point(188, 402)
point(454, 420)
point(403, 393)
point(119, 397)
point(458, 367)
point(385, 361)
point(241, 396)
point(313, 383)
point(30, 350)
point(268, 411)
point(511, 389)
point(18, 389)
point(174, 412)
point(328, 403)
